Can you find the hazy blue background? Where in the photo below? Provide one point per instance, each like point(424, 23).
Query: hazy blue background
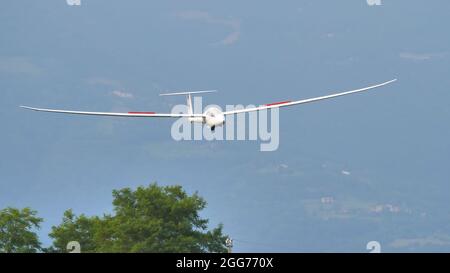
point(382, 157)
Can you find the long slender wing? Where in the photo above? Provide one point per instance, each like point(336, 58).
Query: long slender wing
point(290, 103)
point(129, 114)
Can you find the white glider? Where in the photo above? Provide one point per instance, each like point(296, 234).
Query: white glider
point(212, 116)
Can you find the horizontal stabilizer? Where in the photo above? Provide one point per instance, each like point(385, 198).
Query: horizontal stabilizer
point(187, 93)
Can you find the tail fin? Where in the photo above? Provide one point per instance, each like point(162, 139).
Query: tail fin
point(189, 97)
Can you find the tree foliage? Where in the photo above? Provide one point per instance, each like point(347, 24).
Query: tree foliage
point(73, 228)
point(17, 230)
point(148, 219)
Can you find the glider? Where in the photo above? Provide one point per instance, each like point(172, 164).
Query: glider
point(213, 116)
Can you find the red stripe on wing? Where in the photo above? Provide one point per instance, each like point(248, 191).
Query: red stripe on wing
point(142, 113)
point(278, 103)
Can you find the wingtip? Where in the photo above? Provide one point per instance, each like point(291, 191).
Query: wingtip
point(390, 81)
point(27, 107)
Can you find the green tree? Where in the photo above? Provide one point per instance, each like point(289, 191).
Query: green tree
point(148, 219)
point(17, 230)
point(73, 228)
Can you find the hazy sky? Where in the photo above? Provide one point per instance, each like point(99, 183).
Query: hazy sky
point(348, 171)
